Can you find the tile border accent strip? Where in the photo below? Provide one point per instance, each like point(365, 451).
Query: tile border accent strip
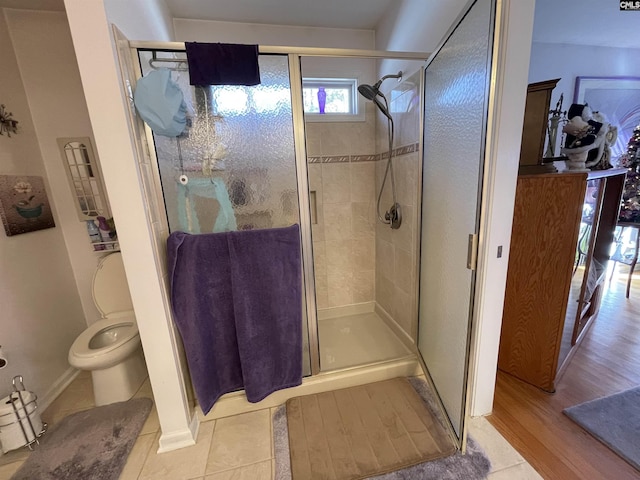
point(365, 158)
point(403, 150)
point(397, 152)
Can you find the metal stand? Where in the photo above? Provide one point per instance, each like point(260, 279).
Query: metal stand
point(18, 389)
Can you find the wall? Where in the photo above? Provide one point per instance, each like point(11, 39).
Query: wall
point(342, 173)
point(552, 60)
point(187, 30)
point(50, 74)
point(396, 249)
point(141, 19)
point(403, 27)
point(41, 310)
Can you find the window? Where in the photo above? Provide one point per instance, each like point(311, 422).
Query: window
point(339, 95)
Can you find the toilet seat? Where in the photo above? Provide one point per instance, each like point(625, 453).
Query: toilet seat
point(81, 356)
point(109, 287)
point(82, 348)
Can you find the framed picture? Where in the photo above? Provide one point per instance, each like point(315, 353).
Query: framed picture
point(24, 206)
point(618, 99)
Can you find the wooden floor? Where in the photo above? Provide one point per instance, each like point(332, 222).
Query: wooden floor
point(607, 361)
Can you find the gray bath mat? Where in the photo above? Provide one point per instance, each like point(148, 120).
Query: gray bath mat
point(89, 445)
point(614, 420)
point(473, 465)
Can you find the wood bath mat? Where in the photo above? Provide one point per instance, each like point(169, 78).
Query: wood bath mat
point(362, 431)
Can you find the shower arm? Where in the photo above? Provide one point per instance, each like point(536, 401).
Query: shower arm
point(393, 75)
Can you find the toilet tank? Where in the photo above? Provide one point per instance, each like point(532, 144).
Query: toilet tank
point(110, 289)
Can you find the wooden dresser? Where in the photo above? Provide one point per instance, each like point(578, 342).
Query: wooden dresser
point(563, 228)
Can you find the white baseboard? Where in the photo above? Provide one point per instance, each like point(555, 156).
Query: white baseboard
point(345, 310)
point(57, 388)
point(180, 439)
point(404, 337)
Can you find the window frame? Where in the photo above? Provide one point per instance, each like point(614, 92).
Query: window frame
point(357, 105)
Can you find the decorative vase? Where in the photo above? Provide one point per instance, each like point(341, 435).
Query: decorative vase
point(322, 99)
point(29, 212)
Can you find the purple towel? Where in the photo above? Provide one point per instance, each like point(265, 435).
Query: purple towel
point(222, 64)
point(267, 299)
point(201, 297)
point(237, 302)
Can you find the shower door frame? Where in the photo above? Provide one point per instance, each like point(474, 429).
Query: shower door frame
point(294, 55)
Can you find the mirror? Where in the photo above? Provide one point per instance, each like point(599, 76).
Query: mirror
point(84, 177)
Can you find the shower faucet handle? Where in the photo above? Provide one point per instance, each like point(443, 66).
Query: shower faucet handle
point(394, 216)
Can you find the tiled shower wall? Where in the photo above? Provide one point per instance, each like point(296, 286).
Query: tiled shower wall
point(341, 166)
point(396, 250)
point(357, 258)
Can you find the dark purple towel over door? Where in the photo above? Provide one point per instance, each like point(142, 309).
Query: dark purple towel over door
point(237, 302)
point(267, 299)
point(201, 297)
point(222, 64)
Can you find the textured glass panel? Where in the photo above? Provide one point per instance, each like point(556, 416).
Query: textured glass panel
point(237, 154)
point(455, 110)
point(241, 137)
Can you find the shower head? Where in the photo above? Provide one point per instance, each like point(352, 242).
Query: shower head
point(372, 92)
point(367, 91)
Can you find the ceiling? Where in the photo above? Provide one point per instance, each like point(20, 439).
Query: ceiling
point(359, 14)
point(581, 22)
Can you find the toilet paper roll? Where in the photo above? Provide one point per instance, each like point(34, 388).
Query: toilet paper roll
point(3, 360)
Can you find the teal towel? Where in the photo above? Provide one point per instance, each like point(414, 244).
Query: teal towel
point(207, 188)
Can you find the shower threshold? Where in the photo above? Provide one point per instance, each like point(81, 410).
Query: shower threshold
point(236, 402)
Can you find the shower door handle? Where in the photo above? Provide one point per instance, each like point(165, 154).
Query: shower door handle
point(472, 251)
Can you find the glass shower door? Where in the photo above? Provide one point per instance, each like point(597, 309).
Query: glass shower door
point(234, 168)
point(456, 86)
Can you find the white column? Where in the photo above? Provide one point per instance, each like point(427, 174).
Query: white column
point(137, 234)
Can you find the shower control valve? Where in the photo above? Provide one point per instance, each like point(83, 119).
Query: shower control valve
point(394, 216)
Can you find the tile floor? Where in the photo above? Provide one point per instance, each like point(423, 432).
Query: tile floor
point(352, 340)
point(232, 448)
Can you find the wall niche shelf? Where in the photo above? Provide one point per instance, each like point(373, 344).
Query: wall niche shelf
point(104, 247)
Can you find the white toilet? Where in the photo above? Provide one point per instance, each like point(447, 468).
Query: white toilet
point(110, 348)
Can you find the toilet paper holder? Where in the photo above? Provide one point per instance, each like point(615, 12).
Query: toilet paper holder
point(23, 414)
point(3, 359)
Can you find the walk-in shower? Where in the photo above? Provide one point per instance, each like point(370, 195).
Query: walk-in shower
point(240, 159)
point(282, 164)
point(393, 216)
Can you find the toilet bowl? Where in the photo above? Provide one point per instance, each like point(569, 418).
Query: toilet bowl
point(110, 348)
